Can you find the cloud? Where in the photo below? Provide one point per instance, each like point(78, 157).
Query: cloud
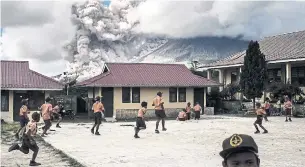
point(36, 31)
point(251, 19)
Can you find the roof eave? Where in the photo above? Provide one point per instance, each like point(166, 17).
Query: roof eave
point(46, 89)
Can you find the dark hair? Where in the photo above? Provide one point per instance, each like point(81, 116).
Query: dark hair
point(144, 104)
point(188, 103)
point(258, 104)
point(97, 98)
point(36, 116)
point(267, 98)
point(48, 99)
point(159, 93)
point(243, 151)
point(24, 101)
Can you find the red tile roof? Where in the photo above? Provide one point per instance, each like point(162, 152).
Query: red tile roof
point(280, 47)
point(147, 75)
point(18, 75)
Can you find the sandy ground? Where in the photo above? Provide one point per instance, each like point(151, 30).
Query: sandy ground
point(189, 144)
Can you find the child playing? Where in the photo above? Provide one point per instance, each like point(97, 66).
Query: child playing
point(260, 112)
point(197, 110)
point(182, 116)
point(288, 108)
point(267, 108)
point(140, 123)
point(28, 142)
point(46, 111)
point(98, 109)
point(57, 114)
point(23, 113)
point(188, 109)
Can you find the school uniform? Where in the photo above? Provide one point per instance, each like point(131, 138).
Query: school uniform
point(197, 109)
point(98, 108)
point(23, 116)
point(159, 108)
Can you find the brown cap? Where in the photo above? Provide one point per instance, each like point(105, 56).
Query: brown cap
point(237, 143)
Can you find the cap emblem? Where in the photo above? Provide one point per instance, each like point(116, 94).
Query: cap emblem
point(235, 140)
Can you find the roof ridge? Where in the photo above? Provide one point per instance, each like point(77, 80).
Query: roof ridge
point(144, 63)
point(44, 76)
point(278, 35)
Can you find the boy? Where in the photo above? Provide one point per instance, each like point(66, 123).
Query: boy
point(57, 110)
point(97, 108)
point(23, 113)
point(267, 108)
point(159, 112)
point(240, 150)
point(140, 123)
point(188, 109)
point(46, 111)
point(259, 120)
point(28, 142)
point(288, 108)
point(182, 116)
point(197, 109)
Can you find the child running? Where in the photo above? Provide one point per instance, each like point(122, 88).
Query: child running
point(182, 116)
point(188, 109)
point(23, 113)
point(288, 108)
point(140, 123)
point(57, 114)
point(267, 109)
point(46, 111)
point(97, 108)
point(28, 142)
point(197, 108)
point(260, 112)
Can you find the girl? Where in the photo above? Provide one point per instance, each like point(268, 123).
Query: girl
point(288, 108)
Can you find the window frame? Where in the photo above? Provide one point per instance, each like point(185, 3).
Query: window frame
point(138, 91)
point(5, 95)
point(125, 94)
point(175, 92)
point(297, 78)
point(181, 91)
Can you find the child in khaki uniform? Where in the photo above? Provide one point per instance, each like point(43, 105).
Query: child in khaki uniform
point(46, 111)
point(140, 123)
point(28, 142)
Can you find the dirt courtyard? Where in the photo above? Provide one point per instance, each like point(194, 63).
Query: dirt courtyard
point(184, 144)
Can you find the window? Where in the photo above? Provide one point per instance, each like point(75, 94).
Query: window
point(36, 99)
point(182, 94)
point(274, 75)
point(136, 95)
point(4, 100)
point(233, 77)
point(172, 94)
point(126, 95)
point(298, 75)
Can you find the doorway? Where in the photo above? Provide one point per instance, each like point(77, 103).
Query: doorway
point(107, 100)
point(199, 97)
point(17, 104)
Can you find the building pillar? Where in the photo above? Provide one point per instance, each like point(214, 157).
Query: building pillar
point(204, 97)
point(221, 75)
point(11, 106)
point(283, 73)
point(288, 72)
point(239, 94)
point(209, 76)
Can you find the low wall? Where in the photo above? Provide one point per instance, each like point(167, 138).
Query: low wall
point(209, 110)
point(299, 108)
point(125, 114)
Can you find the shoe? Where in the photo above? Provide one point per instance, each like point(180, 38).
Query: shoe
point(33, 163)
point(42, 128)
point(257, 132)
point(164, 129)
point(97, 133)
point(157, 131)
point(57, 126)
point(290, 120)
point(13, 147)
point(265, 132)
point(286, 120)
point(92, 131)
point(136, 136)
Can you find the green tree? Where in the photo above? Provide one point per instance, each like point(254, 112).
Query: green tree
point(254, 73)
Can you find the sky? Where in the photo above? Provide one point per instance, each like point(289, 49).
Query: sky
point(37, 30)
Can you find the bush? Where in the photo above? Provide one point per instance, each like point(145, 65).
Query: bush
point(279, 89)
point(229, 91)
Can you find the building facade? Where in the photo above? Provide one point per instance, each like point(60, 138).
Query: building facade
point(18, 81)
point(285, 56)
point(123, 86)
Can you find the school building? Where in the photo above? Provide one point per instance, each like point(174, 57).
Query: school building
point(285, 56)
point(123, 86)
point(18, 81)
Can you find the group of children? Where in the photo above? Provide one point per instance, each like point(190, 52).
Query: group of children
point(185, 114)
point(28, 129)
point(263, 111)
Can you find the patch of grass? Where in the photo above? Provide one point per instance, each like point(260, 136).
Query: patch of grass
point(66, 158)
point(7, 132)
